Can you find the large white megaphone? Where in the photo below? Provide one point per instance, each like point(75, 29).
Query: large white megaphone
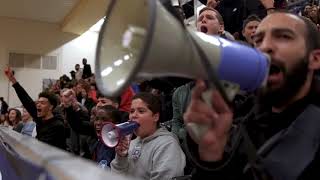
point(112, 133)
point(141, 39)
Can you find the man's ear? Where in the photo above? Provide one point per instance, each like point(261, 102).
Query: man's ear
point(314, 59)
point(51, 107)
point(156, 117)
point(221, 29)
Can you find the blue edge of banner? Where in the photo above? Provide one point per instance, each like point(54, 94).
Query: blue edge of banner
point(14, 167)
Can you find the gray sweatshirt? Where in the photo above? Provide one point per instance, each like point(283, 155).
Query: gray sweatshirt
point(156, 157)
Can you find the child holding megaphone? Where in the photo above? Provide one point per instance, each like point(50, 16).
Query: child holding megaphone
point(155, 153)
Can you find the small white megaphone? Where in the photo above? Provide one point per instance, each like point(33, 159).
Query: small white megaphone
point(112, 133)
point(140, 39)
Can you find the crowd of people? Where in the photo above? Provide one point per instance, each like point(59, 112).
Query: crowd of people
point(268, 134)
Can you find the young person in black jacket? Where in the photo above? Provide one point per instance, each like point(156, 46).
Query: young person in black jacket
point(79, 122)
point(50, 128)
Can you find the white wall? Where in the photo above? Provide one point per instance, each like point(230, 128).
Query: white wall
point(81, 47)
point(45, 39)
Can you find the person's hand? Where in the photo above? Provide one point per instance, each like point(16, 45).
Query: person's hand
point(68, 98)
point(217, 118)
point(213, 3)
point(123, 146)
point(267, 3)
point(9, 73)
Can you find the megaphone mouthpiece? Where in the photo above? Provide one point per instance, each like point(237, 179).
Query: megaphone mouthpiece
point(112, 133)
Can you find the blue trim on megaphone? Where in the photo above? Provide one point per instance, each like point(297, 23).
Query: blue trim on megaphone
point(242, 65)
point(127, 127)
point(112, 133)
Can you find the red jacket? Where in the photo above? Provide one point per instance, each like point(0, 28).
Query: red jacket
point(126, 98)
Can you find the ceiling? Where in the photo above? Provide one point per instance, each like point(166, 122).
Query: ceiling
point(52, 11)
point(74, 16)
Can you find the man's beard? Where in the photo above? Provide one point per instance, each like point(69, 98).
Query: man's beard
point(294, 79)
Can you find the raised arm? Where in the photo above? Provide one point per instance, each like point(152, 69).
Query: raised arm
point(77, 117)
point(23, 96)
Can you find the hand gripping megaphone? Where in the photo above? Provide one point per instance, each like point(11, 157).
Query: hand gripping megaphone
point(112, 133)
point(141, 39)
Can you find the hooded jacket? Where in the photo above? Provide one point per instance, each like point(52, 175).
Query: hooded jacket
point(156, 157)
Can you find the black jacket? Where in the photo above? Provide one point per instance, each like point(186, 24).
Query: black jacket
point(86, 71)
point(4, 107)
point(261, 125)
point(50, 131)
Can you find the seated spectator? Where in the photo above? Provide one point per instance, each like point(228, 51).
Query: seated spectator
point(314, 14)
point(29, 127)
point(306, 11)
point(155, 153)
point(211, 22)
point(50, 128)
point(249, 28)
point(15, 119)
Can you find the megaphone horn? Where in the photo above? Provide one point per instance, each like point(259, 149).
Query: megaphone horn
point(112, 133)
point(145, 41)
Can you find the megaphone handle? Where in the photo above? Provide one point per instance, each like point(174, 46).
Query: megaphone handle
point(198, 130)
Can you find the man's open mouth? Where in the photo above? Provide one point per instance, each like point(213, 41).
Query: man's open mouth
point(204, 29)
point(274, 69)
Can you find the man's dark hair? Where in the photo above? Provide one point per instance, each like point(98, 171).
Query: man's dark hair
point(219, 17)
point(113, 99)
point(250, 18)
point(312, 34)
point(153, 103)
point(52, 98)
point(1, 98)
point(312, 38)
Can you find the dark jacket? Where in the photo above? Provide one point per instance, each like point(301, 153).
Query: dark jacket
point(79, 123)
point(260, 124)
point(88, 103)
point(50, 131)
point(86, 71)
point(19, 127)
point(4, 107)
